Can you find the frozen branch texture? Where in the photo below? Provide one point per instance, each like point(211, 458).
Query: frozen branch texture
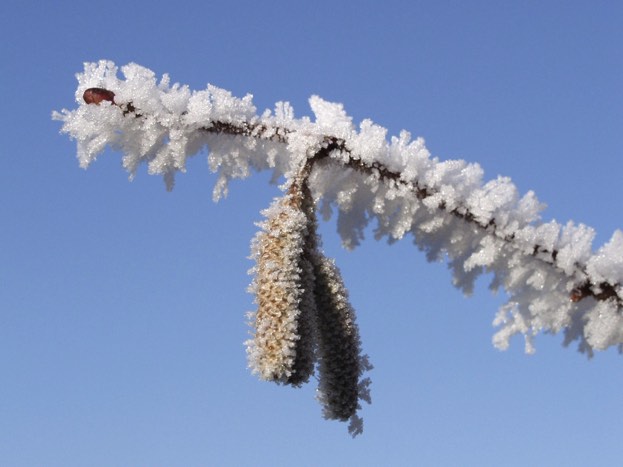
point(554, 279)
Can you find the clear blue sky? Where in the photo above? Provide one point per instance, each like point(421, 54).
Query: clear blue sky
point(122, 306)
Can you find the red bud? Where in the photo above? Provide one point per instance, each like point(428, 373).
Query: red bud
point(580, 293)
point(97, 95)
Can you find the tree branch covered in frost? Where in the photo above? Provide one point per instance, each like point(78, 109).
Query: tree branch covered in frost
point(554, 279)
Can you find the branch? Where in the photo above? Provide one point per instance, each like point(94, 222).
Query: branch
point(554, 279)
point(602, 290)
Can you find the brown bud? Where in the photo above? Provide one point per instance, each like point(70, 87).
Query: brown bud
point(97, 95)
point(576, 295)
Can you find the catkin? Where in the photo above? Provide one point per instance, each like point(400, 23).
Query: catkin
point(339, 344)
point(282, 347)
point(303, 315)
point(340, 363)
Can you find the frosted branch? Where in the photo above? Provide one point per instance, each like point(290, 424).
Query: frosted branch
point(554, 279)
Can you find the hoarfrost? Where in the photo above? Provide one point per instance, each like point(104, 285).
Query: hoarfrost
point(554, 280)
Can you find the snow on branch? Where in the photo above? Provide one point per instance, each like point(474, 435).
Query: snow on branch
point(554, 279)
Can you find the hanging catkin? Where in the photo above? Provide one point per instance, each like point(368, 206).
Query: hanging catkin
point(282, 347)
point(339, 347)
point(303, 314)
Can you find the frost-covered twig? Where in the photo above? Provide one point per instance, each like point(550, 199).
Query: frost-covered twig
point(554, 279)
point(602, 291)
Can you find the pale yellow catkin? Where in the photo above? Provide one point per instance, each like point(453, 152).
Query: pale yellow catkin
point(282, 348)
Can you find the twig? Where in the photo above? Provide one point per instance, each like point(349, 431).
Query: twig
point(588, 288)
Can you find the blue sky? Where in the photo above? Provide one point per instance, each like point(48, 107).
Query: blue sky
point(122, 306)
